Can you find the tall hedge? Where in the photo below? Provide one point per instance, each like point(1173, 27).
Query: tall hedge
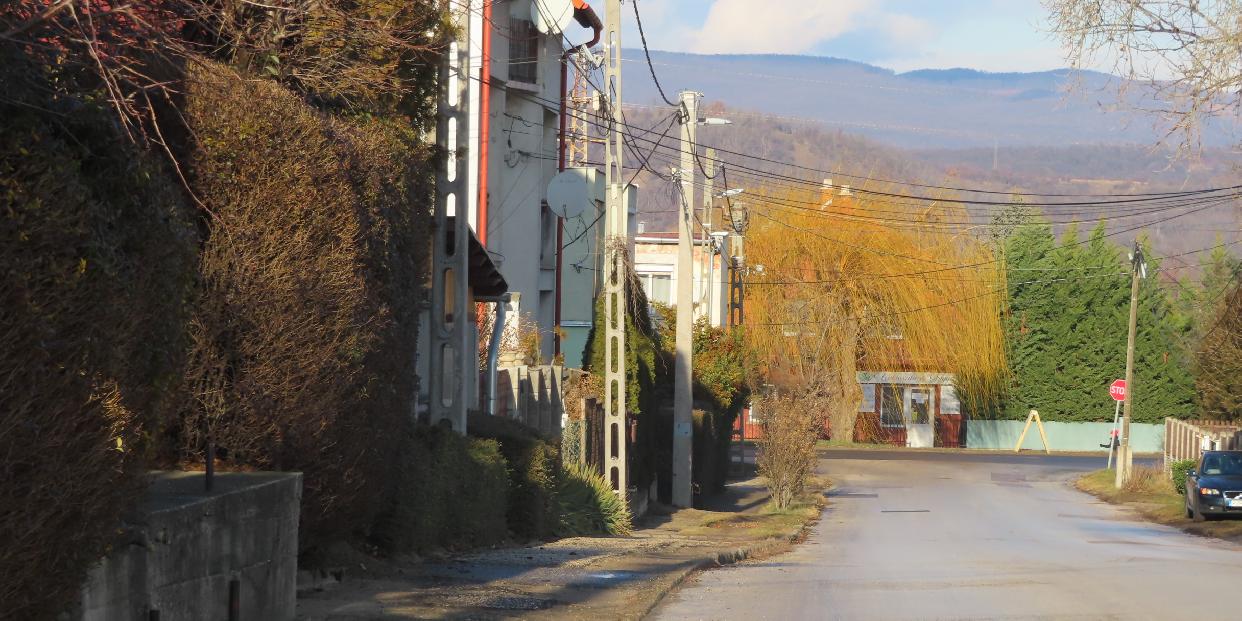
point(96, 268)
point(312, 274)
point(1065, 330)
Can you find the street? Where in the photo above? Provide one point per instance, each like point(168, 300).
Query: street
point(947, 536)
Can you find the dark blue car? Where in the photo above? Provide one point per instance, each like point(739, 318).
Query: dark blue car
point(1214, 488)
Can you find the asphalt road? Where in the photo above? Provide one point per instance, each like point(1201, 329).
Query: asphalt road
point(950, 536)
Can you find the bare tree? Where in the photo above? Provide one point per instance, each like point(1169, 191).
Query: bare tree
point(1187, 54)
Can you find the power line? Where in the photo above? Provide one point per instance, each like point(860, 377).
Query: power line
point(642, 35)
point(1118, 198)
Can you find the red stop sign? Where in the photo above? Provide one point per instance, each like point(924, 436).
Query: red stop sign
point(1118, 390)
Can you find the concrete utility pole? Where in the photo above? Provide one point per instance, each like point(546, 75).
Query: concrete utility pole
point(453, 361)
point(616, 262)
point(705, 221)
point(683, 369)
point(1125, 457)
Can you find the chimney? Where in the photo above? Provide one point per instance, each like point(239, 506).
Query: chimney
point(642, 226)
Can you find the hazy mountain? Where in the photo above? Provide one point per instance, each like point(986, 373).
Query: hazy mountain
point(924, 108)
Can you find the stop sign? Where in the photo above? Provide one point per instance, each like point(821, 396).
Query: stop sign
point(1118, 390)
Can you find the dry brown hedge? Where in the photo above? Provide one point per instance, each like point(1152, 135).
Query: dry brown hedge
point(313, 270)
point(96, 269)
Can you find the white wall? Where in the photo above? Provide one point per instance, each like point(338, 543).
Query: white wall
point(656, 257)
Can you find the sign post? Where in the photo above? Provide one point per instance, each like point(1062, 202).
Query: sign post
point(1117, 390)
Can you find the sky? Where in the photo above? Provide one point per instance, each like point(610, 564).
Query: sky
point(990, 35)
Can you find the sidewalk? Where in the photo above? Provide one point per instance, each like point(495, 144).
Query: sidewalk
point(576, 578)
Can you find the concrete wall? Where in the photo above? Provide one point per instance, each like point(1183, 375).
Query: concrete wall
point(189, 544)
point(1003, 434)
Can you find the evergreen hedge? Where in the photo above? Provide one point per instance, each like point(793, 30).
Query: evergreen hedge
point(532, 463)
point(1066, 331)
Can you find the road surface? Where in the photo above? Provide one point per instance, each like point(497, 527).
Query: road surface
point(946, 536)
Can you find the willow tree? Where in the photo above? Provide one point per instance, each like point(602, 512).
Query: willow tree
point(839, 281)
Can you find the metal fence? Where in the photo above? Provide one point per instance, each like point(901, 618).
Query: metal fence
point(1187, 439)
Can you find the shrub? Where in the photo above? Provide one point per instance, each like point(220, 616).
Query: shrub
point(1178, 471)
point(588, 506)
point(451, 492)
point(787, 450)
point(96, 266)
point(532, 510)
point(315, 252)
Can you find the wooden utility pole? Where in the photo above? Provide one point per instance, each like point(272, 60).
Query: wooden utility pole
point(683, 370)
point(616, 430)
point(1125, 456)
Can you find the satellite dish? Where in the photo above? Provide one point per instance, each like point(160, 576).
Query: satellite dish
point(572, 191)
point(551, 17)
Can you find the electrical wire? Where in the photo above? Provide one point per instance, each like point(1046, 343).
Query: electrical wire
point(642, 35)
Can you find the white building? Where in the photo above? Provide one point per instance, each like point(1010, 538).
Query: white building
point(655, 260)
point(516, 140)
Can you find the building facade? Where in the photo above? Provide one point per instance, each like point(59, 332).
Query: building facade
point(655, 261)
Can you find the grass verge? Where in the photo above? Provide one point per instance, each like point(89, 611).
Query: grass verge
point(767, 523)
point(1151, 495)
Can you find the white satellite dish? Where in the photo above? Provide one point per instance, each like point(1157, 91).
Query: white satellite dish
point(571, 192)
point(551, 17)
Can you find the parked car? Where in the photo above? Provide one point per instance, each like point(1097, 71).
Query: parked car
point(1214, 487)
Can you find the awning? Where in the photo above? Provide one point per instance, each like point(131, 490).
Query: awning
point(485, 279)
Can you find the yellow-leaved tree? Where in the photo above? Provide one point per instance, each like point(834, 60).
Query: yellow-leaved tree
point(837, 280)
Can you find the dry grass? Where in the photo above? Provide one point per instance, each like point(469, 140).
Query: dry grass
point(1151, 495)
point(768, 523)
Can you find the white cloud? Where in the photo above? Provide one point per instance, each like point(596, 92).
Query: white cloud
point(769, 26)
point(906, 29)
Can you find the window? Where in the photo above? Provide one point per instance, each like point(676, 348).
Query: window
point(523, 51)
point(920, 406)
point(948, 401)
point(547, 237)
point(658, 287)
point(868, 398)
point(891, 414)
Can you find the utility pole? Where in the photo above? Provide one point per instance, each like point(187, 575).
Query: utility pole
point(453, 361)
point(683, 369)
point(1125, 458)
point(705, 221)
point(616, 251)
point(737, 267)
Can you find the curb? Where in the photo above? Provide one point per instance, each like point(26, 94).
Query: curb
point(720, 559)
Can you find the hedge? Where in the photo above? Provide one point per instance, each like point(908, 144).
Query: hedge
point(96, 268)
point(532, 512)
point(311, 273)
point(451, 492)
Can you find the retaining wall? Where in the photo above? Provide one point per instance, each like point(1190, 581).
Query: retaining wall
point(189, 545)
point(1003, 434)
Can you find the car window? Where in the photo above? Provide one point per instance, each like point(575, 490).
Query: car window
point(1217, 465)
